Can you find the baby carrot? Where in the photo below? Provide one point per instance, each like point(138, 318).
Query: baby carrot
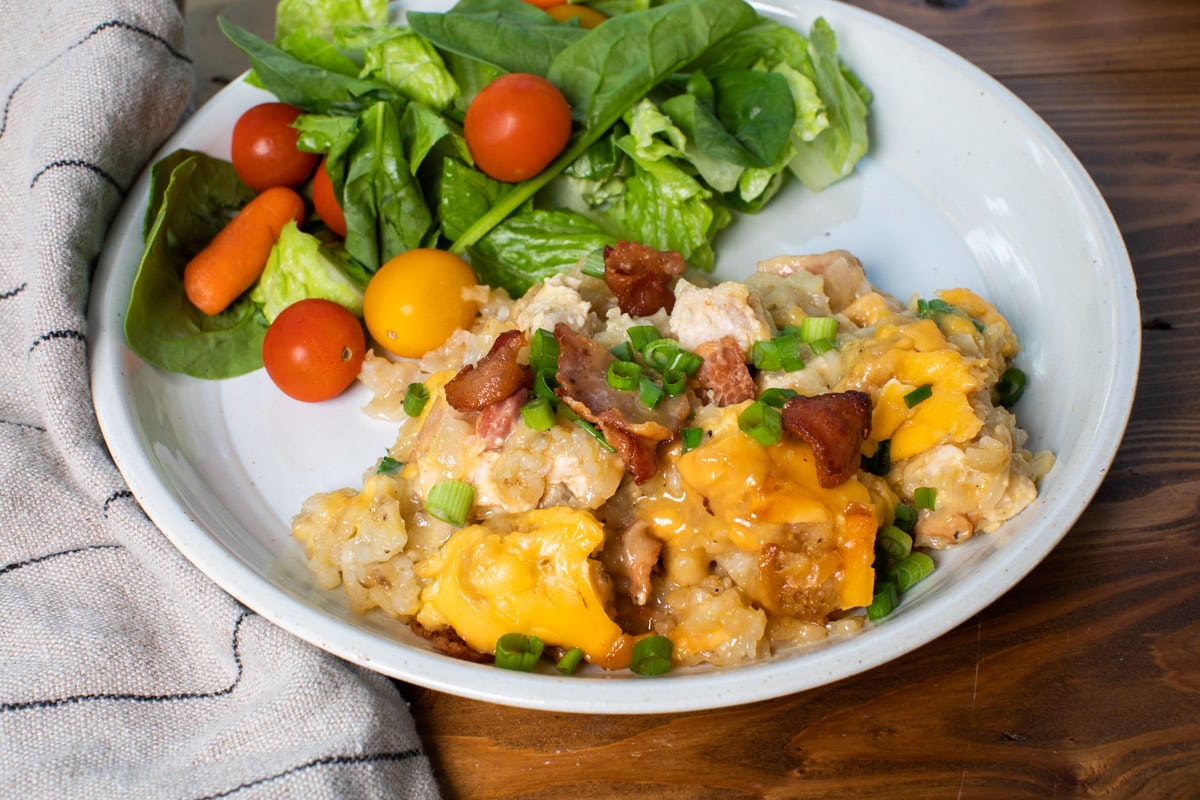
point(234, 259)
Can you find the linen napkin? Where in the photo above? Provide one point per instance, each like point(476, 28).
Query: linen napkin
point(124, 672)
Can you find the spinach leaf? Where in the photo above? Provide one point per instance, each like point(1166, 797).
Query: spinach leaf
point(385, 207)
point(309, 86)
point(510, 34)
point(193, 197)
point(533, 245)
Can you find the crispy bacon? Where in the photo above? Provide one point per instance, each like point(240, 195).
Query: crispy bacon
point(629, 426)
point(446, 641)
point(496, 376)
point(835, 425)
point(496, 421)
point(724, 378)
point(642, 278)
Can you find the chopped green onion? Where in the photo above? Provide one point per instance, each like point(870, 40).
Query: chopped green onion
point(686, 362)
point(925, 497)
point(388, 466)
point(928, 309)
point(593, 265)
point(777, 396)
point(788, 346)
point(814, 329)
point(691, 438)
point(881, 462)
point(415, 398)
point(1011, 386)
point(624, 375)
point(538, 414)
point(674, 382)
point(543, 352)
point(660, 353)
point(905, 517)
point(622, 352)
point(821, 346)
point(543, 386)
point(650, 393)
point(885, 600)
point(591, 429)
point(651, 656)
point(893, 542)
point(569, 661)
point(910, 570)
point(764, 355)
point(450, 501)
point(762, 423)
point(918, 395)
point(518, 651)
point(642, 335)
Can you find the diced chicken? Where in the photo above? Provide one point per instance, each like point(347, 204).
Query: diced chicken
point(727, 309)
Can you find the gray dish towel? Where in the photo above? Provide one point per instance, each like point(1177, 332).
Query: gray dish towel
point(124, 672)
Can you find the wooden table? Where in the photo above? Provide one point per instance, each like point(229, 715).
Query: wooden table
point(1084, 680)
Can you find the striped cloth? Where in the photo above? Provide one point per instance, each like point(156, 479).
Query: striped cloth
point(124, 672)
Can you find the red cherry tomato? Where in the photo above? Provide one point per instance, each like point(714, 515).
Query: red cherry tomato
point(326, 203)
point(263, 148)
point(314, 349)
point(516, 125)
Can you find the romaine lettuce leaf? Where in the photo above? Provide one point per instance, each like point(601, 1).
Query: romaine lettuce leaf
point(299, 267)
point(322, 17)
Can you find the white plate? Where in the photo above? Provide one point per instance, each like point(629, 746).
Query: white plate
point(964, 186)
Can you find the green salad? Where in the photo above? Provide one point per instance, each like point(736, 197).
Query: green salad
point(685, 114)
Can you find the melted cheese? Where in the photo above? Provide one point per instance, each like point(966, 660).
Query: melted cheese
point(739, 494)
point(900, 359)
point(534, 576)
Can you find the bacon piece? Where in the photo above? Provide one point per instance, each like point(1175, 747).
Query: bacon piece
point(637, 555)
point(642, 278)
point(835, 425)
point(629, 426)
point(496, 421)
point(496, 376)
point(446, 641)
point(724, 378)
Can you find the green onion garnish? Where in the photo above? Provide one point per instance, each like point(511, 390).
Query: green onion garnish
point(674, 382)
point(910, 570)
point(649, 392)
point(788, 346)
point(813, 329)
point(881, 462)
point(538, 414)
point(651, 656)
point(884, 602)
point(543, 386)
point(388, 466)
point(691, 438)
point(415, 398)
point(893, 542)
point(777, 396)
point(764, 355)
point(450, 501)
point(543, 352)
point(1011, 386)
point(686, 362)
point(822, 346)
point(660, 353)
point(917, 395)
point(905, 517)
point(569, 661)
point(762, 423)
point(925, 497)
point(591, 430)
point(593, 265)
point(642, 335)
point(928, 309)
point(518, 651)
point(622, 352)
point(624, 375)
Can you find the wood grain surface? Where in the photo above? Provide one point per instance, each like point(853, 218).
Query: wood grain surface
point(1084, 680)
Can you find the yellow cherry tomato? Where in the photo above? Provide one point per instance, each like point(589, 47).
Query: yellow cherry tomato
point(415, 301)
point(588, 17)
